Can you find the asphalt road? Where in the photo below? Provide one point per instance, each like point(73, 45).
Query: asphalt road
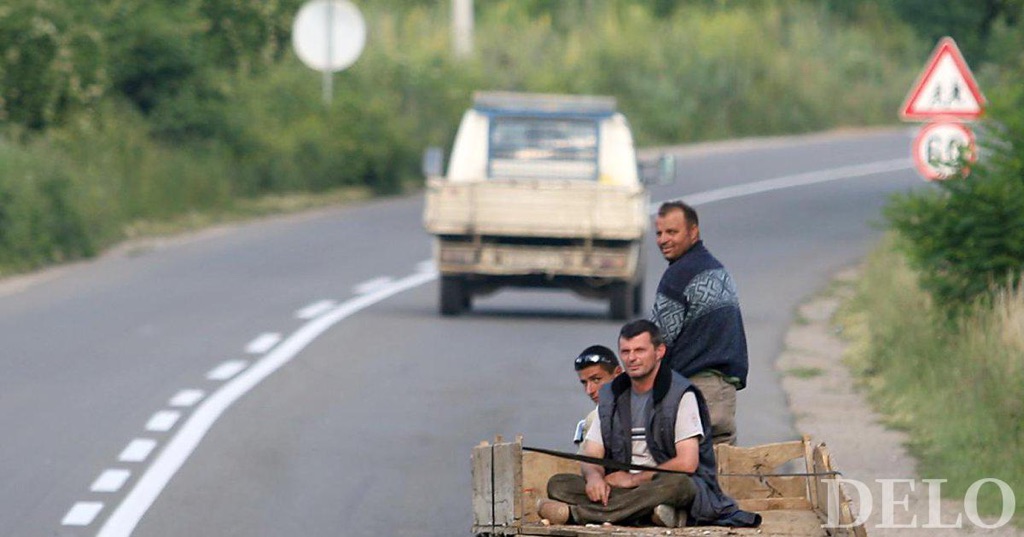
point(291, 376)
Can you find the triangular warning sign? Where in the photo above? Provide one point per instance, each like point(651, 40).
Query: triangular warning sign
point(946, 88)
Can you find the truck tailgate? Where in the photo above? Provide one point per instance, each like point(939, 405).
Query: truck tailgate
point(535, 208)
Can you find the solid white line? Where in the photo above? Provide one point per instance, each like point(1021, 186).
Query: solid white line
point(263, 343)
point(370, 286)
point(426, 266)
point(315, 309)
point(227, 370)
point(138, 450)
point(790, 181)
point(110, 481)
point(128, 514)
point(186, 398)
point(162, 421)
point(82, 514)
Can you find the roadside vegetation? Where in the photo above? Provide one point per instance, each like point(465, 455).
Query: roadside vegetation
point(938, 321)
point(124, 116)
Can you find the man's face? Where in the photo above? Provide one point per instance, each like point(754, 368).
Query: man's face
point(675, 235)
point(593, 377)
point(639, 356)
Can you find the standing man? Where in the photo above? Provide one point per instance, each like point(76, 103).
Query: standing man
point(595, 366)
point(652, 417)
point(698, 312)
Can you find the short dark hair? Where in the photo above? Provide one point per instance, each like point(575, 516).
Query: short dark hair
point(679, 205)
point(633, 329)
point(597, 355)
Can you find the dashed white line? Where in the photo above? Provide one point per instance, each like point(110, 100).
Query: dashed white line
point(138, 450)
point(162, 421)
point(315, 309)
point(227, 370)
point(186, 398)
point(82, 514)
point(370, 286)
point(127, 515)
point(110, 480)
point(263, 343)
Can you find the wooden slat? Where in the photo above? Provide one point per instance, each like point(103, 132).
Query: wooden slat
point(764, 459)
point(774, 504)
point(483, 491)
point(812, 489)
point(508, 483)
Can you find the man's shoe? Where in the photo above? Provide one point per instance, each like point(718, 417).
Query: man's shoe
point(553, 511)
point(668, 516)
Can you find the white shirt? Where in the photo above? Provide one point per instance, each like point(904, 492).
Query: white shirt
point(688, 425)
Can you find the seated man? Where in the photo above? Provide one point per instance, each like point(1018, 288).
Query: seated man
point(595, 366)
point(649, 416)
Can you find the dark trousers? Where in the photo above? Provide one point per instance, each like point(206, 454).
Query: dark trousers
point(624, 505)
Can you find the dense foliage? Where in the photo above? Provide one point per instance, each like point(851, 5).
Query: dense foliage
point(153, 109)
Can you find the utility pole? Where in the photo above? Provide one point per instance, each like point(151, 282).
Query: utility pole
point(462, 27)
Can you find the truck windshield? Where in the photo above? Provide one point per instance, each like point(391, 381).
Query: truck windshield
point(555, 148)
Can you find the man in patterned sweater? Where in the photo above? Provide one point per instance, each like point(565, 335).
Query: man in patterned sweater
point(698, 312)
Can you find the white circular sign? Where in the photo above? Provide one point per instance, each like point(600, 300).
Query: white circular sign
point(941, 151)
point(328, 35)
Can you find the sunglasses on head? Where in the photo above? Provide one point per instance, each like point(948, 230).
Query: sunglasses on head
point(584, 360)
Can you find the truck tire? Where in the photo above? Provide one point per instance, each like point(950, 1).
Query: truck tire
point(621, 301)
point(453, 297)
point(638, 297)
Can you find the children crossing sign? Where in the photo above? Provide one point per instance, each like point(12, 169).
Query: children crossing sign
point(946, 88)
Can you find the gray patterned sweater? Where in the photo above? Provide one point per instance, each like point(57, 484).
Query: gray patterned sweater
point(698, 311)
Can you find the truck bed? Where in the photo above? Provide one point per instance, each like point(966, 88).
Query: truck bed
point(535, 208)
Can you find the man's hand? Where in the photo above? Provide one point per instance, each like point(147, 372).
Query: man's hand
point(622, 480)
point(598, 490)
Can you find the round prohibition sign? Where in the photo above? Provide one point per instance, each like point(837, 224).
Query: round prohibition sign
point(942, 151)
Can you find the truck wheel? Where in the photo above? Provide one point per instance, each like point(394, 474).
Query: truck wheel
point(638, 297)
point(453, 295)
point(621, 305)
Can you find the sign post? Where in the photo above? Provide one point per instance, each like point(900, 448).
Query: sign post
point(946, 95)
point(328, 36)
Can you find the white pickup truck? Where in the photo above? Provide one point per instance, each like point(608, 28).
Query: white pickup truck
point(541, 191)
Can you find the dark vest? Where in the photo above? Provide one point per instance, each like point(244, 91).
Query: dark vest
point(711, 505)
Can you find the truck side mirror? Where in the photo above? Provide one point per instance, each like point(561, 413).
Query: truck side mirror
point(659, 172)
point(433, 162)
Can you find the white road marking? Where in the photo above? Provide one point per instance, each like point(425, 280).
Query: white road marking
point(110, 481)
point(790, 181)
point(127, 515)
point(227, 370)
point(138, 450)
point(82, 514)
point(135, 504)
point(370, 286)
point(263, 343)
point(315, 309)
point(186, 398)
point(163, 421)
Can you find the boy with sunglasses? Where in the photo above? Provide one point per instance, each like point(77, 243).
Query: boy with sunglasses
point(595, 366)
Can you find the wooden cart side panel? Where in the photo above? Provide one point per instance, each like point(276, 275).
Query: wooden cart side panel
point(537, 470)
point(834, 495)
point(483, 491)
point(508, 483)
point(764, 459)
point(812, 488)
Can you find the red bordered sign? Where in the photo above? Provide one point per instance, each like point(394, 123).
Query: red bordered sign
point(946, 88)
point(942, 151)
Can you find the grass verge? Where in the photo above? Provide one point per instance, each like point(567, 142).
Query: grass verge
point(957, 387)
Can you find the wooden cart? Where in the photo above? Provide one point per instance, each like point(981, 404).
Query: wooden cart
point(508, 481)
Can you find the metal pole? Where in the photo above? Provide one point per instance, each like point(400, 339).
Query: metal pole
point(328, 82)
point(462, 27)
